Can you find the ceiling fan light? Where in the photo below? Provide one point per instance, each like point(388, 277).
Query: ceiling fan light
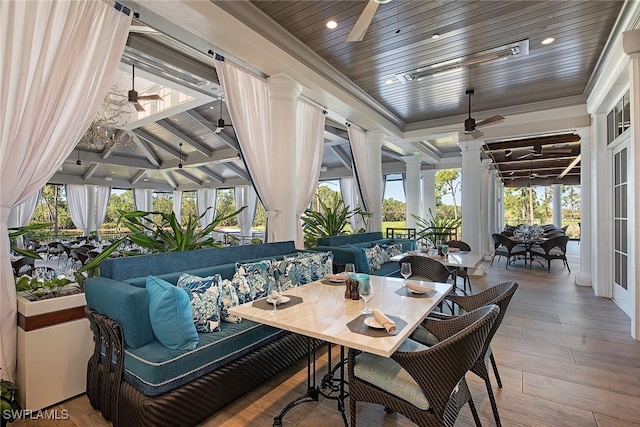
point(332, 25)
point(382, 1)
point(435, 36)
point(507, 153)
point(547, 41)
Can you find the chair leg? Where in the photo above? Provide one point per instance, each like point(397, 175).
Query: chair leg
point(474, 412)
point(567, 263)
point(549, 266)
point(495, 370)
point(492, 399)
point(352, 410)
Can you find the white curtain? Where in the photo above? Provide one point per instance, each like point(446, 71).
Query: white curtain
point(143, 199)
point(58, 60)
point(21, 214)
point(206, 198)
point(310, 138)
point(245, 195)
point(362, 173)
point(248, 103)
point(78, 201)
point(102, 200)
point(350, 198)
point(177, 205)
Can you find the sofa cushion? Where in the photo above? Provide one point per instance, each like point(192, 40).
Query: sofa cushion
point(204, 297)
point(391, 269)
point(170, 315)
point(154, 369)
point(391, 249)
point(228, 299)
point(256, 276)
point(349, 239)
point(373, 258)
point(291, 272)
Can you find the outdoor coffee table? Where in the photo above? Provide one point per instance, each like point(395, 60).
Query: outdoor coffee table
point(324, 314)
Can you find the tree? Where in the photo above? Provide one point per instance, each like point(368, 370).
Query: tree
point(226, 204)
point(117, 203)
point(448, 182)
point(393, 210)
point(571, 199)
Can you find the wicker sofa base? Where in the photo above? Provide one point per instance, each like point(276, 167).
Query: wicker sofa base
point(196, 401)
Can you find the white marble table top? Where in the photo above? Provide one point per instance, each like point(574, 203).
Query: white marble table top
point(453, 259)
point(324, 313)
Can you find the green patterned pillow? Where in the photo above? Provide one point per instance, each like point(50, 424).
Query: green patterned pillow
point(204, 298)
point(255, 276)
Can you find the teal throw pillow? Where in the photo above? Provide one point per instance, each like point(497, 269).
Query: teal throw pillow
point(204, 297)
point(170, 315)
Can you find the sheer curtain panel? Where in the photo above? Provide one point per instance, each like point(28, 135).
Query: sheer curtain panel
point(310, 139)
point(206, 198)
point(58, 60)
point(248, 103)
point(21, 214)
point(102, 201)
point(78, 201)
point(143, 199)
point(245, 195)
point(349, 191)
point(362, 172)
point(177, 205)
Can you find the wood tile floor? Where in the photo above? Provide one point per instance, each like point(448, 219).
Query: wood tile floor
point(565, 356)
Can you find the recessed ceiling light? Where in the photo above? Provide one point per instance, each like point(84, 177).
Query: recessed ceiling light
point(548, 40)
point(332, 24)
point(435, 36)
point(108, 178)
point(145, 179)
point(389, 81)
point(211, 107)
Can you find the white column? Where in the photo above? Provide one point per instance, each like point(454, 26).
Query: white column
point(375, 138)
point(601, 258)
point(583, 278)
point(499, 205)
point(471, 190)
point(484, 207)
point(412, 188)
point(149, 198)
point(283, 98)
point(491, 214)
point(428, 192)
point(91, 205)
point(556, 205)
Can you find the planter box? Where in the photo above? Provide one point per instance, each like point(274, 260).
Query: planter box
point(54, 345)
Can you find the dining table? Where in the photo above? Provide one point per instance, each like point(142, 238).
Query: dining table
point(320, 310)
point(528, 242)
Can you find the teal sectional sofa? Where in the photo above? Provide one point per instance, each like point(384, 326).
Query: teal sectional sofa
point(349, 249)
point(148, 384)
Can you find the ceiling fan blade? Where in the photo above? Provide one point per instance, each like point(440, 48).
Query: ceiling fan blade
point(524, 156)
point(492, 119)
point(475, 133)
point(150, 98)
point(558, 150)
point(138, 106)
point(363, 22)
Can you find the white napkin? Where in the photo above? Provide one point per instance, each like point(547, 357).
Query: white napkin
point(387, 323)
point(419, 288)
point(341, 277)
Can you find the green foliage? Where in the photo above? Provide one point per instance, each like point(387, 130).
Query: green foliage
point(447, 182)
point(225, 205)
point(37, 289)
point(393, 210)
point(16, 232)
point(8, 405)
point(166, 235)
point(330, 219)
point(436, 229)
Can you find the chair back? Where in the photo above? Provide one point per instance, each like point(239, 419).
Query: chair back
point(439, 369)
point(426, 267)
point(20, 263)
point(459, 244)
point(555, 242)
point(502, 240)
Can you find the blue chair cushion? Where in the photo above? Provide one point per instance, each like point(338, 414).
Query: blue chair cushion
point(170, 315)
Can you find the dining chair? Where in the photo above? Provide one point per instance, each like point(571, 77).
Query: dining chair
point(21, 263)
point(431, 332)
point(554, 248)
point(428, 268)
point(425, 384)
point(462, 272)
point(504, 246)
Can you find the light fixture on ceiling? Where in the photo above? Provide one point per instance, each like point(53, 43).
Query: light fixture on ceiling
point(537, 150)
point(547, 41)
point(180, 161)
point(78, 162)
point(323, 168)
point(332, 25)
point(389, 81)
point(382, 1)
point(507, 153)
point(102, 131)
point(503, 52)
point(108, 178)
point(435, 36)
point(221, 124)
point(238, 156)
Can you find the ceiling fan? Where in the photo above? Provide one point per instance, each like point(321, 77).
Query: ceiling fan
point(133, 95)
point(221, 125)
point(364, 20)
point(537, 151)
point(470, 123)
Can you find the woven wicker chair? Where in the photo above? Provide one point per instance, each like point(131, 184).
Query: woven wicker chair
point(462, 272)
point(428, 268)
point(431, 332)
point(441, 390)
point(554, 248)
point(506, 247)
point(21, 263)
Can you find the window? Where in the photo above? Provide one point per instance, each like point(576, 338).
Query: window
point(619, 118)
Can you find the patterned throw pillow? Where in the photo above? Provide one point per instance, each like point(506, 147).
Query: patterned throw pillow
point(392, 249)
point(373, 257)
point(204, 298)
point(228, 298)
point(243, 291)
point(382, 254)
point(292, 272)
point(317, 263)
point(255, 276)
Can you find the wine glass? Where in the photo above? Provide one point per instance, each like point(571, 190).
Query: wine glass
point(349, 268)
point(366, 292)
point(274, 293)
point(445, 250)
point(405, 271)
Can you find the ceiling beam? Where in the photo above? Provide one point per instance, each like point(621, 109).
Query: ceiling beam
point(530, 142)
point(211, 174)
point(344, 159)
point(169, 178)
point(141, 174)
point(92, 170)
point(571, 166)
point(212, 128)
point(188, 176)
point(158, 143)
point(196, 159)
point(428, 154)
point(61, 178)
point(391, 154)
point(118, 160)
point(198, 146)
point(108, 150)
point(237, 170)
point(146, 149)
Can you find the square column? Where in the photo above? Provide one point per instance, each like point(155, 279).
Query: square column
point(471, 192)
point(491, 214)
point(428, 192)
point(484, 207)
point(584, 277)
point(412, 188)
point(375, 138)
point(556, 205)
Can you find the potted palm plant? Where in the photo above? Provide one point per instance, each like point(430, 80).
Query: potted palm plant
point(434, 230)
